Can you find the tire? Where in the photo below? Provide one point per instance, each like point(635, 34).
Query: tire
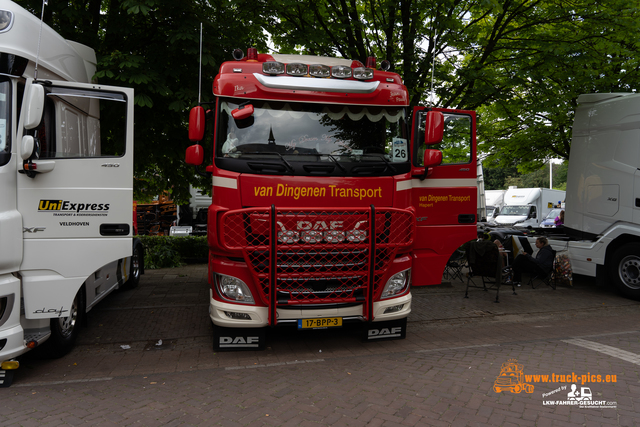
point(6, 378)
point(624, 270)
point(136, 263)
point(64, 330)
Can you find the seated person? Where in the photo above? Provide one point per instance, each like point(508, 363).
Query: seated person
point(498, 243)
point(559, 219)
point(229, 145)
point(540, 265)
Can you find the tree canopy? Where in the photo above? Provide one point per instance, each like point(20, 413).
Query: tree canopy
point(520, 63)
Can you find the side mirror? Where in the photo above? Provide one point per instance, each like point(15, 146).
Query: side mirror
point(432, 158)
point(34, 107)
point(196, 124)
point(242, 112)
point(27, 146)
point(194, 155)
point(434, 127)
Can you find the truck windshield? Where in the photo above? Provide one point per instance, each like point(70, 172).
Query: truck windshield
point(5, 109)
point(515, 210)
point(291, 133)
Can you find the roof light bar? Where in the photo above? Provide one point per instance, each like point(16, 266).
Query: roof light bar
point(296, 69)
point(341, 71)
point(318, 70)
point(273, 68)
point(362, 73)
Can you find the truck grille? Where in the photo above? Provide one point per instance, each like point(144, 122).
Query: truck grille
point(318, 257)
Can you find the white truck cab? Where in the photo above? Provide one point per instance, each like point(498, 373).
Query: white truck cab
point(602, 215)
point(66, 167)
point(527, 207)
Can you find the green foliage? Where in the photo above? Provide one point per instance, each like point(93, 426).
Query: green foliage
point(496, 178)
point(501, 179)
point(170, 251)
point(520, 63)
point(153, 46)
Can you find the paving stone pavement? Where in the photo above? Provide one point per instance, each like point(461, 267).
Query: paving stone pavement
point(442, 374)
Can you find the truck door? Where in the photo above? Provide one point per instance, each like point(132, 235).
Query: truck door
point(446, 199)
point(636, 198)
point(75, 189)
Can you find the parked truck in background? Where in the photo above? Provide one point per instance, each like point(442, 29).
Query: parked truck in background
point(330, 198)
point(66, 172)
point(527, 207)
point(494, 200)
point(602, 211)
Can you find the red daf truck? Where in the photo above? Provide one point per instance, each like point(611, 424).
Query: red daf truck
point(330, 197)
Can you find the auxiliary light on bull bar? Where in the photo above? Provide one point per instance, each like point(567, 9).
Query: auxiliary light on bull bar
point(290, 237)
point(312, 236)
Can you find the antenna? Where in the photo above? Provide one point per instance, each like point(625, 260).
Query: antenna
point(35, 71)
point(433, 66)
point(200, 71)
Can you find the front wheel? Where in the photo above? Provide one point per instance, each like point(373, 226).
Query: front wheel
point(625, 270)
point(64, 330)
point(6, 377)
point(135, 265)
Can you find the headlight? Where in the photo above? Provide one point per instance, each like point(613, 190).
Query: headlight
point(6, 19)
point(397, 284)
point(233, 289)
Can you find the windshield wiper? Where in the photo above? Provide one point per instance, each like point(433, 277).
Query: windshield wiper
point(333, 159)
point(287, 164)
point(381, 156)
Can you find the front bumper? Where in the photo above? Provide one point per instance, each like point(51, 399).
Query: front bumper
point(228, 315)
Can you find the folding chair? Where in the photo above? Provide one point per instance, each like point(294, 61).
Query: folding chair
point(485, 263)
point(454, 266)
point(540, 278)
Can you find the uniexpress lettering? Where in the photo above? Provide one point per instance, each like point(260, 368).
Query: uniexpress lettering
point(68, 206)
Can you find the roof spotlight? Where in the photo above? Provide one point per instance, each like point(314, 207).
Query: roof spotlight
point(238, 54)
point(385, 65)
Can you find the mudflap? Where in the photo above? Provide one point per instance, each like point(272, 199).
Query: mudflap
point(383, 331)
point(239, 339)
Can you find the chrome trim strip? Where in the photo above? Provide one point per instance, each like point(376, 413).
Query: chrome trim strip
point(316, 84)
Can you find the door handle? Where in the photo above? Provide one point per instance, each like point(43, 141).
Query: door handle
point(466, 219)
point(114, 229)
